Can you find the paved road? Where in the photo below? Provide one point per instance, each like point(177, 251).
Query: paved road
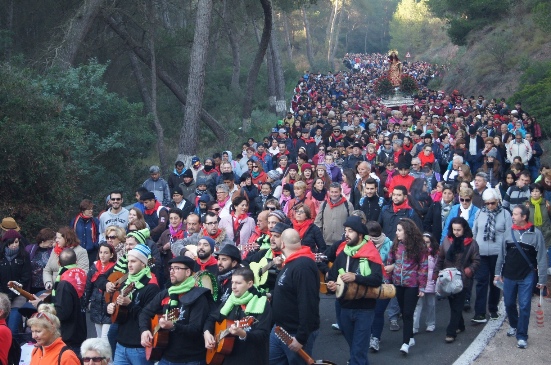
point(331, 345)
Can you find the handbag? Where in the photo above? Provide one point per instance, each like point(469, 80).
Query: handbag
point(522, 251)
point(450, 280)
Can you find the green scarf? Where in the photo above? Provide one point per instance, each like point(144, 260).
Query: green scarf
point(122, 264)
point(352, 250)
point(59, 273)
point(538, 220)
point(137, 279)
point(176, 290)
point(255, 304)
point(265, 239)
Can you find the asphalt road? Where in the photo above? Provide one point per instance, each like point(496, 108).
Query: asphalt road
point(429, 348)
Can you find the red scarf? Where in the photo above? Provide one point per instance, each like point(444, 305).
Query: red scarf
point(467, 241)
point(154, 209)
point(368, 251)
point(523, 228)
point(94, 227)
point(404, 205)
point(342, 200)
point(100, 269)
point(370, 156)
point(238, 220)
point(302, 227)
point(215, 236)
point(304, 251)
point(210, 262)
point(397, 156)
point(58, 249)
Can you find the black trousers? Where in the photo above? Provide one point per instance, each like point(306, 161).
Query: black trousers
point(407, 300)
point(456, 313)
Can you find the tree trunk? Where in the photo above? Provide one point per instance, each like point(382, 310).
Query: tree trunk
point(189, 135)
point(169, 82)
point(309, 52)
point(235, 50)
point(330, 28)
point(287, 37)
point(336, 41)
point(257, 62)
point(271, 79)
point(278, 75)
point(76, 30)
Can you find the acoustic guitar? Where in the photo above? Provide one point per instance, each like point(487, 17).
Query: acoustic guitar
point(224, 339)
point(260, 270)
point(17, 288)
point(120, 314)
point(287, 339)
point(160, 335)
point(118, 278)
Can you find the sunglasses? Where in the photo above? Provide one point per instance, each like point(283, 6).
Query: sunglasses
point(271, 208)
point(95, 360)
point(111, 237)
point(216, 209)
point(465, 199)
point(116, 199)
point(255, 167)
point(43, 315)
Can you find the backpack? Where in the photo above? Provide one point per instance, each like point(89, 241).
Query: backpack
point(449, 282)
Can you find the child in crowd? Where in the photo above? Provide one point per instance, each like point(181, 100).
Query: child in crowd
point(427, 302)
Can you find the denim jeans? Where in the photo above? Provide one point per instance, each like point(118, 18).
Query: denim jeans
point(393, 309)
point(518, 318)
point(356, 328)
point(281, 354)
point(130, 356)
point(14, 322)
point(407, 299)
point(456, 313)
point(165, 362)
point(338, 312)
point(548, 258)
point(484, 276)
point(379, 320)
point(112, 337)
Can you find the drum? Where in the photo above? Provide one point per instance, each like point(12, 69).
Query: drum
point(205, 279)
point(351, 291)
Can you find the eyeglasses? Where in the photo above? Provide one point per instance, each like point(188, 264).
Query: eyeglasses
point(490, 203)
point(176, 268)
point(211, 223)
point(255, 167)
point(271, 208)
point(465, 199)
point(41, 315)
point(95, 360)
point(111, 237)
point(116, 199)
point(216, 209)
point(300, 212)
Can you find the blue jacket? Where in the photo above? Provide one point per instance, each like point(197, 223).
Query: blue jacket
point(83, 229)
point(454, 212)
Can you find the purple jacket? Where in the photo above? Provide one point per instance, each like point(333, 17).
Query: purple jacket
point(406, 271)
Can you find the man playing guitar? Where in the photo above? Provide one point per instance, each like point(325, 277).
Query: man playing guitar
point(250, 345)
point(185, 343)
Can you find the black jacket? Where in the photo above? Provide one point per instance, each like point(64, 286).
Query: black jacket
point(129, 334)
point(94, 296)
point(295, 300)
point(389, 220)
point(185, 343)
point(18, 269)
point(433, 221)
point(70, 313)
point(313, 238)
point(371, 208)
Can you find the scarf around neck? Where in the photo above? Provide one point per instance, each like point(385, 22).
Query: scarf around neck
point(399, 207)
point(319, 195)
point(58, 249)
point(93, 228)
point(211, 261)
point(523, 228)
point(302, 227)
point(490, 227)
point(255, 303)
point(140, 279)
point(363, 251)
point(154, 209)
point(175, 291)
point(10, 253)
point(176, 233)
point(101, 269)
point(304, 251)
point(538, 220)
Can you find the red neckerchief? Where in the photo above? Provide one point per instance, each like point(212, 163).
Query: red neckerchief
point(467, 241)
point(154, 209)
point(523, 228)
point(304, 251)
point(100, 269)
point(370, 156)
point(261, 157)
point(210, 262)
point(215, 236)
point(408, 148)
point(237, 220)
point(58, 249)
point(337, 138)
point(404, 205)
point(342, 200)
point(368, 251)
point(302, 227)
point(397, 155)
point(77, 278)
point(94, 226)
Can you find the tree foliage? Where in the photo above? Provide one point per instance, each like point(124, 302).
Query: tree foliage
point(65, 137)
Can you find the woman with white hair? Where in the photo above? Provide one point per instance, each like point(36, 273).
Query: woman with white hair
point(96, 351)
point(489, 228)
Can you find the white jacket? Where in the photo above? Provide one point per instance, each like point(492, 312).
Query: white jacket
point(523, 150)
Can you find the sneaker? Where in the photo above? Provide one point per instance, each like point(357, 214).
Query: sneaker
point(431, 328)
point(479, 318)
point(411, 342)
point(394, 326)
point(449, 339)
point(494, 316)
point(374, 344)
point(404, 349)
point(335, 326)
point(415, 331)
point(467, 305)
point(522, 344)
point(512, 332)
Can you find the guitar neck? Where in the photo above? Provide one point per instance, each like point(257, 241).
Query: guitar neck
point(267, 267)
point(306, 357)
point(25, 293)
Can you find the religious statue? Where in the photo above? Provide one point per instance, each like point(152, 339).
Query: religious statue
point(395, 69)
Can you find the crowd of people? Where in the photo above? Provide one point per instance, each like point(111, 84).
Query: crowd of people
point(344, 189)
